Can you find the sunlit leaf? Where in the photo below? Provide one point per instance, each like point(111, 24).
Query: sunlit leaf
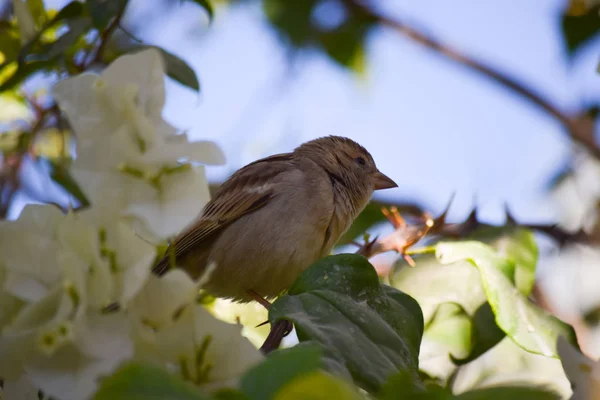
point(77, 28)
point(38, 12)
point(52, 144)
point(25, 71)
point(447, 334)
point(13, 107)
point(279, 369)
point(485, 334)
point(317, 386)
point(368, 331)
point(508, 364)
point(145, 382)
point(528, 325)
point(516, 244)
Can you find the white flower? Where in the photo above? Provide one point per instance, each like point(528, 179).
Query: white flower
point(583, 373)
point(176, 333)
point(21, 389)
point(127, 154)
point(248, 314)
point(200, 348)
point(58, 273)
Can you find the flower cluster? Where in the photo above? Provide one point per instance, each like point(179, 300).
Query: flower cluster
point(77, 298)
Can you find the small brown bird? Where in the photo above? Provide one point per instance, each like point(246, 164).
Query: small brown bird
point(276, 216)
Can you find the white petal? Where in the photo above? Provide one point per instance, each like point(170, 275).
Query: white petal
point(9, 304)
point(43, 219)
point(21, 389)
point(248, 314)
point(145, 69)
point(86, 114)
point(69, 374)
point(105, 336)
point(179, 200)
point(178, 147)
point(134, 261)
point(158, 301)
point(229, 353)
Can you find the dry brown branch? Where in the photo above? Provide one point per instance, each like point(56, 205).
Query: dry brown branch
point(579, 127)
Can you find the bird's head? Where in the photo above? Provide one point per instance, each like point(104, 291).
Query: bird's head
point(347, 162)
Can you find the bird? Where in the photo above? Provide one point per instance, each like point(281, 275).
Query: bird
point(275, 217)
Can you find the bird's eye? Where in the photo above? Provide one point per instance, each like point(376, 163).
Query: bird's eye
point(360, 161)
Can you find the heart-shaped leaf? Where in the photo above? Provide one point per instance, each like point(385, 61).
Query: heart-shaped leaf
point(368, 331)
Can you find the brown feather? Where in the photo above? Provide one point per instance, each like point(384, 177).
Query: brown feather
point(240, 194)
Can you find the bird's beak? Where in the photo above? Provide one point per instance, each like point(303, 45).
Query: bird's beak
point(382, 181)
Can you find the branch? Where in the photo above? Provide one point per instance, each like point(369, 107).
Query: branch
point(579, 127)
point(105, 36)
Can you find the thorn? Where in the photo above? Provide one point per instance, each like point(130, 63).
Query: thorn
point(441, 220)
point(259, 299)
point(262, 324)
point(409, 260)
point(510, 220)
point(393, 216)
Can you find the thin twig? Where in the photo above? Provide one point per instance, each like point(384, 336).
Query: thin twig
point(579, 127)
point(105, 36)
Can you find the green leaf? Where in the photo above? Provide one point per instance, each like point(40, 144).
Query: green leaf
point(291, 19)
point(508, 364)
point(449, 330)
point(103, 11)
point(69, 12)
point(512, 393)
point(10, 45)
point(370, 216)
point(207, 7)
point(180, 71)
point(144, 382)
point(24, 71)
point(61, 176)
point(177, 69)
point(72, 10)
point(229, 394)
point(345, 43)
point(10, 141)
point(401, 387)
point(279, 369)
point(38, 12)
point(77, 28)
point(317, 386)
point(485, 334)
point(580, 29)
point(528, 325)
point(516, 244)
point(368, 331)
point(432, 284)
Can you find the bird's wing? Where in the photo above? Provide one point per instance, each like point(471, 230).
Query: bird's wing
point(247, 190)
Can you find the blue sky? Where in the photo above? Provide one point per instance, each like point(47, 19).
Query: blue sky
point(433, 126)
